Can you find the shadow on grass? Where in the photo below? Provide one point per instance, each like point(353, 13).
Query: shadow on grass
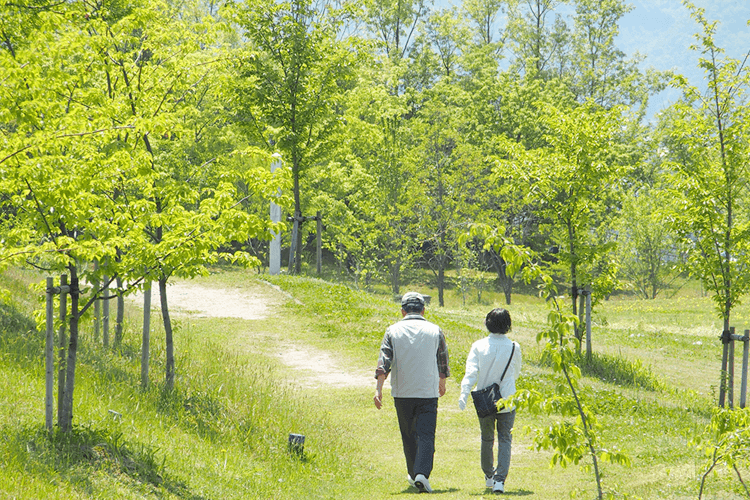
point(22, 345)
point(483, 493)
point(20, 342)
point(620, 371)
point(518, 493)
point(617, 370)
point(411, 489)
point(508, 493)
point(194, 410)
point(76, 455)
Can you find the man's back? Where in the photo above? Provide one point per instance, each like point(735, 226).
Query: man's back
point(415, 343)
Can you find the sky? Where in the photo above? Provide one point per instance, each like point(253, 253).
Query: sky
point(663, 30)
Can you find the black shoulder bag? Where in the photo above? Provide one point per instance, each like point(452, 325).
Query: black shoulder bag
point(485, 400)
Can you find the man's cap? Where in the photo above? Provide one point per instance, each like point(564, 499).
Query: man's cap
point(412, 298)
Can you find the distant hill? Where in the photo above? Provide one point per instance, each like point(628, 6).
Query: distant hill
point(663, 31)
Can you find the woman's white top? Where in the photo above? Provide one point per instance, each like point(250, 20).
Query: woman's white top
point(485, 364)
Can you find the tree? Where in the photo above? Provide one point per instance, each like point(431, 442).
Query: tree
point(501, 107)
point(82, 179)
point(448, 34)
point(442, 179)
point(725, 442)
point(708, 148)
point(53, 166)
point(163, 66)
point(647, 246)
point(600, 68)
point(539, 45)
point(370, 179)
point(394, 24)
point(290, 78)
point(349, 197)
point(601, 72)
point(483, 16)
point(573, 183)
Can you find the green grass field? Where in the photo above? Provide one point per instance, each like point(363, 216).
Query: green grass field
point(222, 433)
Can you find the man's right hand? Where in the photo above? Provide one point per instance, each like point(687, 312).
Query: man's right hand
point(378, 400)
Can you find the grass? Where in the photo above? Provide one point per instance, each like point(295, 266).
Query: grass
point(223, 432)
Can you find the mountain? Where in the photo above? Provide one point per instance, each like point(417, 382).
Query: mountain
point(663, 31)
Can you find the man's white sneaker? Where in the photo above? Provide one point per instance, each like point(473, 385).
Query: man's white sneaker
point(499, 487)
point(489, 481)
point(422, 484)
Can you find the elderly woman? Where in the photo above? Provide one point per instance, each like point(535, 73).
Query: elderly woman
point(488, 360)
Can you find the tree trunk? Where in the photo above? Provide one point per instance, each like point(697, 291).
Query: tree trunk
point(441, 284)
point(574, 299)
point(581, 317)
point(396, 277)
point(169, 380)
point(574, 284)
point(298, 218)
point(506, 282)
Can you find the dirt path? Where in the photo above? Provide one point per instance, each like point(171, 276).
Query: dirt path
point(313, 367)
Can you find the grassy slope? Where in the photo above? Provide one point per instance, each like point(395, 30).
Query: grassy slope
point(223, 433)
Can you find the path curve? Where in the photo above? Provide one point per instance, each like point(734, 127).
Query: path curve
point(314, 367)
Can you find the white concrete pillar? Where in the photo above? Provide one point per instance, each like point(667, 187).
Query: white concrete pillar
point(274, 252)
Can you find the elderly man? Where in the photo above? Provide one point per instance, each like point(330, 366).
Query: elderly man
point(414, 352)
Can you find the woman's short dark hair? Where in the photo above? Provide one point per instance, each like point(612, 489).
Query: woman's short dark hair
point(498, 321)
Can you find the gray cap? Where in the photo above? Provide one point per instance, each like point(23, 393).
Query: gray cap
point(412, 298)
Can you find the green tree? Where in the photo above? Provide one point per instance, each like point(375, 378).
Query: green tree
point(708, 148)
point(164, 65)
point(573, 182)
point(725, 443)
point(448, 33)
point(394, 24)
point(380, 137)
point(348, 197)
point(290, 77)
point(442, 179)
point(483, 16)
point(539, 43)
point(85, 168)
point(599, 70)
point(385, 103)
point(506, 108)
point(578, 437)
point(647, 246)
point(54, 165)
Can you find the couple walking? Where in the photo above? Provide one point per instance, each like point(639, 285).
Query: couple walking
point(415, 355)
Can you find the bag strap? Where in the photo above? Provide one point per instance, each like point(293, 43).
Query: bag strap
point(510, 358)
